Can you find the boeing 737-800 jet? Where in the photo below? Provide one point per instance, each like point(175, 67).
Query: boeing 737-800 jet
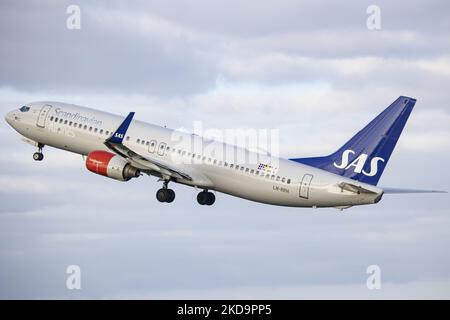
point(122, 149)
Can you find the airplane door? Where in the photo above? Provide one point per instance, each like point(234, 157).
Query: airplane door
point(152, 146)
point(43, 115)
point(304, 186)
point(162, 147)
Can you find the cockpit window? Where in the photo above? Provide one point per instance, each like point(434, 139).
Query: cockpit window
point(24, 109)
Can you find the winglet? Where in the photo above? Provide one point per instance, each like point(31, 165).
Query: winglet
point(121, 131)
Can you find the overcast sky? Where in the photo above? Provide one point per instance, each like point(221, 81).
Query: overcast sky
point(311, 69)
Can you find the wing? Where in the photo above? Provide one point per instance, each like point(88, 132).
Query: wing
point(115, 143)
point(146, 163)
point(389, 190)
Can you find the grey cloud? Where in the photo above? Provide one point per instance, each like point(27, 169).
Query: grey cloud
point(40, 52)
point(162, 49)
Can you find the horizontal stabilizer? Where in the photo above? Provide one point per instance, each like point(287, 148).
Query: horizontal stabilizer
point(388, 190)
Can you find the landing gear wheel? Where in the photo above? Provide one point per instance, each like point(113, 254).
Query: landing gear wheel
point(211, 199)
point(38, 156)
point(165, 195)
point(161, 195)
point(202, 197)
point(206, 198)
point(171, 195)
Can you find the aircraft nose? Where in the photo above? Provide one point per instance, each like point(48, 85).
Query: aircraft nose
point(9, 117)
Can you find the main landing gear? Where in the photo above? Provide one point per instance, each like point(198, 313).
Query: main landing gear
point(164, 194)
point(206, 198)
point(39, 156)
point(168, 195)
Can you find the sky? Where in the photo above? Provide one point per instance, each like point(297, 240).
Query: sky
point(313, 70)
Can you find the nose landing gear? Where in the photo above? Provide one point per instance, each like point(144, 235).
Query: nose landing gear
point(39, 156)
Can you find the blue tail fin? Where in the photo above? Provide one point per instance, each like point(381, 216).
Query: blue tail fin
point(365, 156)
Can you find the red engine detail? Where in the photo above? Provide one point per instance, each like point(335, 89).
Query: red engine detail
point(111, 165)
point(97, 162)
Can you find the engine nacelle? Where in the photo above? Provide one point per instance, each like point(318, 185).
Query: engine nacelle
point(111, 165)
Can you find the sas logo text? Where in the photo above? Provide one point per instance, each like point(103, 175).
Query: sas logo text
point(358, 163)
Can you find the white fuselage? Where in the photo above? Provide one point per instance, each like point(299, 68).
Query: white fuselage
point(212, 164)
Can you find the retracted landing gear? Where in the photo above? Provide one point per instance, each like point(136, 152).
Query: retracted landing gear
point(206, 198)
point(164, 194)
point(39, 156)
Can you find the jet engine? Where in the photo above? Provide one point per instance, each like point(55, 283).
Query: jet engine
point(111, 165)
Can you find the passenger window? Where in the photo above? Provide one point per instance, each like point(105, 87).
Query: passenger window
point(247, 169)
point(95, 130)
point(80, 125)
point(128, 138)
point(251, 171)
point(267, 176)
point(65, 121)
point(242, 168)
point(198, 157)
point(60, 120)
point(90, 128)
point(288, 181)
point(225, 164)
point(138, 140)
point(278, 178)
point(283, 179)
point(51, 118)
point(231, 166)
point(56, 119)
point(101, 131)
point(70, 123)
point(143, 142)
point(257, 172)
point(183, 153)
point(85, 127)
point(215, 161)
point(272, 177)
point(237, 167)
point(193, 155)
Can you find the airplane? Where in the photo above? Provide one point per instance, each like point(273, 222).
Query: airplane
point(123, 148)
